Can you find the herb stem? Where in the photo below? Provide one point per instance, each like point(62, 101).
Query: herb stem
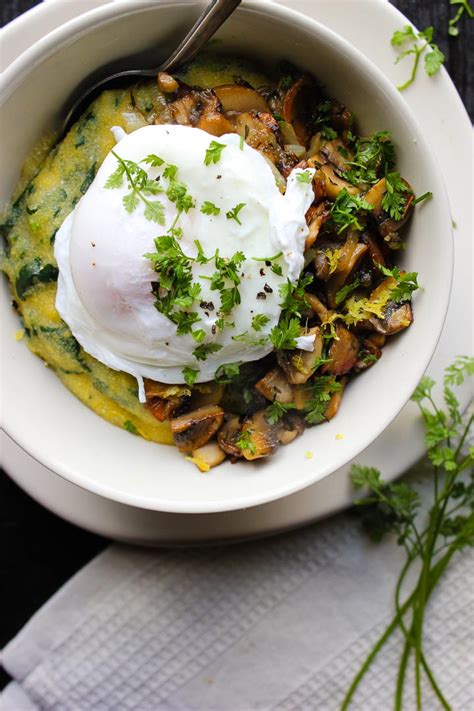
point(410, 81)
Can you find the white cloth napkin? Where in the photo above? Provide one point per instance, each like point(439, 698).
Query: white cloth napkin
point(278, 624)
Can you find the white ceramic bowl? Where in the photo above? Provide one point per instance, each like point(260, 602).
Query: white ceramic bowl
point(58, 430)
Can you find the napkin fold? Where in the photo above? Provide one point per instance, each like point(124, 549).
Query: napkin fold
point(277, 624)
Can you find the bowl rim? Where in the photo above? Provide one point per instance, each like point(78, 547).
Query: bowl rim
point(53, 42)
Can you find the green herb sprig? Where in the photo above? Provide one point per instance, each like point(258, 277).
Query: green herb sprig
point(141, 187)
point(464, 7)
point(433, 59)
point(429, 546)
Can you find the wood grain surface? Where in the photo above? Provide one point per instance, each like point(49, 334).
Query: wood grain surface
point(40, 551)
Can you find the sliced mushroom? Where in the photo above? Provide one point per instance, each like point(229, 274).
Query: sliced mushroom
point(331, 151)
point(155, 389)
point(368, 355)
point(335, 401)
point(299, 365)
point(235, 97)
point(163, 399)
point(193, 429)
point(167, 83)
point(396, 319)
point(275, 386)
point(351, 253)
point(209, 395)
point(375, 253)
point(228, 435)
point(333, 183)
point(319, 216)
point(341, 118)
point(318, 307)
point(343, 352)
point(192, 104)
point(162, 409)
point(290, 428)
point(301, 396)
point(263, 438)
point(208, 456)
point(215, 123)
point(386, 226)
point(259, 134)
point(296, 105)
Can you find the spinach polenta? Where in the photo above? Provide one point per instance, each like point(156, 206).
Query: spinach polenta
point(315, 311)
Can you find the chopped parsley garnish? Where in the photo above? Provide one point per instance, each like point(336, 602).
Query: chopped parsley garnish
point(304, 177)
point(140, 187)
point(234, 213)
point(293, 295)
point(373, 156)
point(322, 389)
point(272, 263)
point(346, 291)
point(190, 375)
point(208, 208)
point(244, 441)
point(322, 120)
point(170, 172)
point(199, 335)
point(434, 58)
point(213, 153)
point(130, 427)
point(345, 210)
point(277, 410)
point(285, 334)
point(259, 321)
point(206, 349)
point(396, 195)
point(177, 192)
point(227, 270)
point(226, 373)
point(426, 196)
point(249, 339)
point(184, 321)
point(153, 160)
point(406, 283)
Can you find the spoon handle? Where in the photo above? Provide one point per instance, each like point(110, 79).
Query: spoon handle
point(205, 26)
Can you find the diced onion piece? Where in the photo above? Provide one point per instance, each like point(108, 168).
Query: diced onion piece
point(279, 179)
point(295, 148)
point(133, 121)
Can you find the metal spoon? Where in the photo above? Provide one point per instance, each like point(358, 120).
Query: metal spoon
point(214, 15)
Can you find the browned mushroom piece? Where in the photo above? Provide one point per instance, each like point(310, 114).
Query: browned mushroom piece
point(341, 117)
point(192, 105)
point(215, 123)
point(290, 428)
point(235, 97)
point(368, 355)
point(318, 307)
point(336, 153)
point(319, 216)
point(228, 435)
point(275, 386)
point(295, 108)
point(350, 255)
point(167, 83)
point(343, 352)
point(163, 399)
point(206, 394)
point(208, 456)
point(386, 226)
point(375, 253)
point(261, 436)
point(300, 365)
point(260, 134)
point(397, 318)
point(333, 183)
point(335, 401)
point(193, 429)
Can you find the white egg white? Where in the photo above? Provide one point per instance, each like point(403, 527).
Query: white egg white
point(104, 287)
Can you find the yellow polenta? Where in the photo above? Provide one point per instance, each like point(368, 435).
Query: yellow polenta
point(47, 192)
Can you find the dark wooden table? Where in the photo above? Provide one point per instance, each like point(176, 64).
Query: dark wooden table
point(39, 550)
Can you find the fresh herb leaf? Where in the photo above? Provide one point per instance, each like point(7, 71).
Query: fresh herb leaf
point(396, 195)
point(293, 299)
point(406, 283)
point(227, 373)
point(213, 153)
point(203, 351)
point(208, 208)
point(245, 442)
point(199, 335)
point(234, 213)
point(153, 160)
point(373, 156)
point(419, 43)
point(190, 375)
point(347, 209)
point(429, 538)
point(346, 291)
point(304, 177)
point(285, 334)
point(464, 6)
point(322, 389)
point(277, 410)
point(140, 186)
point(259, 321)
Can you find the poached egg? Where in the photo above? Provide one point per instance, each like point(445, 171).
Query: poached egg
point(109, 291)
